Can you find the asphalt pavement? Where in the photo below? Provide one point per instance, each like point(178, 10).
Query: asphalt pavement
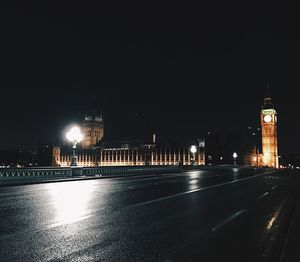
point(217, 214)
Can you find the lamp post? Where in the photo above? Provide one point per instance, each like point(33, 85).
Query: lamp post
point(193, 150)
point(74, 136)
point(235, 155)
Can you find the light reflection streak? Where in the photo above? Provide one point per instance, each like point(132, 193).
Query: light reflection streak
point(71, 200)
point(194, 174)
point(271, 222)
point(235, 171)
point(194, 182)
point(274, 218)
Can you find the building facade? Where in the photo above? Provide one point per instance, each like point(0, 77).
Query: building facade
point(129, 156)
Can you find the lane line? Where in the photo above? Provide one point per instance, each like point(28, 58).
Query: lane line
point(274, 187)
point(156, 183)
point(54, 225)
point(150, 177)
point(262, 196)
point(192, 191)
point(228, 220)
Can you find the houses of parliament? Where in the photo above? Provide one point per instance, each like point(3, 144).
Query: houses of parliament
point(95, 151)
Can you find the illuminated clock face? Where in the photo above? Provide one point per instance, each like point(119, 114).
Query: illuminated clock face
point(267, 118)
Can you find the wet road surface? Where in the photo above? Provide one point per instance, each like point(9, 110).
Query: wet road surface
point(224, 213)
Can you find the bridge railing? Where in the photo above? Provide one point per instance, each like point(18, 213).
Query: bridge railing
point(82, 171)
point(31, 172)
point(94, 171)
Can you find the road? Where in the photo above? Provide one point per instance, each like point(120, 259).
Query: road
point(217, 214)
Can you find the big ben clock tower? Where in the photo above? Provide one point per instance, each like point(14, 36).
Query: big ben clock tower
point(269, 134)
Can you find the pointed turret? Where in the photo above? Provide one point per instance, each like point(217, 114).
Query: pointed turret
point(268, 99)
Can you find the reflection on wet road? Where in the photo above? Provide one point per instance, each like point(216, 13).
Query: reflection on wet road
point(168, 217)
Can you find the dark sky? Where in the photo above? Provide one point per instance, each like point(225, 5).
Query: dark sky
point(175, 70)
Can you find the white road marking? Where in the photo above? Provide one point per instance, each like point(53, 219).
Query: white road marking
point(192, 191)
point(263, 195)
point(54, 225)
point(228, 220)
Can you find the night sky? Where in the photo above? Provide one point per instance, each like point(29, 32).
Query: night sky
point(179, 71)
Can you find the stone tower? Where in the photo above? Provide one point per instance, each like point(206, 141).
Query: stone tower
point(269, 134)
point(93, 129)
point(56, 156)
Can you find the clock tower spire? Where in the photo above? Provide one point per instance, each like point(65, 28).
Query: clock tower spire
point(269, 133)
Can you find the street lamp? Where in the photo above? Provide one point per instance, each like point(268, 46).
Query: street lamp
point(235, 155)
point(74, 136)
point(193, 151)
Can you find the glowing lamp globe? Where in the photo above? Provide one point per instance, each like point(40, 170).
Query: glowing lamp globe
point(74, 135)
point(235, 155)
point(193, 149)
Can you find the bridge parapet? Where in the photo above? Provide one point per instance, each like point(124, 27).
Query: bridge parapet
point(114, 170)
point(82, 171)
point(31, 172)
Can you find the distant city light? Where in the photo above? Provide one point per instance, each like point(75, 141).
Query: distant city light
point(255, 160)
